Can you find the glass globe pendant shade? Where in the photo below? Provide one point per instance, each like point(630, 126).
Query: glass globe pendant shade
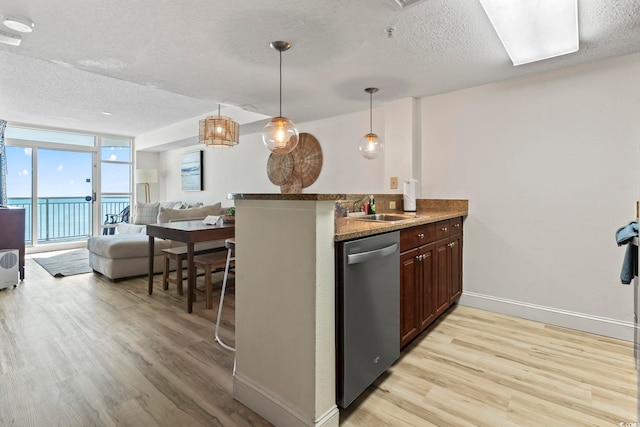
point(280, 135)
point(370, 146)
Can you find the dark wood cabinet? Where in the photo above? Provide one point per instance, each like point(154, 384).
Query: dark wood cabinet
point(12, 222)
point(449, 264)
point(426, 282)
point(455, 267)
point(442, 276)
point(409, 324)
point(430, 274)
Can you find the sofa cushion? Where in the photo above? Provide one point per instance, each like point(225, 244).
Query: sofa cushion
point(145, 213)
point(169, 215)
point(124, 228)
point(125, 246)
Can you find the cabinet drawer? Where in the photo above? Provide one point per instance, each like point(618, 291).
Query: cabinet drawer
point(442, 229)
point(416, 236)
point(455, 226)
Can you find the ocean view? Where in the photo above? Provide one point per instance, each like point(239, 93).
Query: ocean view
point(65, 218)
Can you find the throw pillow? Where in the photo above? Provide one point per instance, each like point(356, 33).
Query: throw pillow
point(169, 215)
point(167, 204)
point(145, 213)
point(192, 205)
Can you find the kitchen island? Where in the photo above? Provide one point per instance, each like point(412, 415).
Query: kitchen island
point(285, 301)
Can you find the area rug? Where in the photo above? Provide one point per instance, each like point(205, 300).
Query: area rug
point(65, 264)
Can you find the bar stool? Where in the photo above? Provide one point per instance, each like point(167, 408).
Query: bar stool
point(231, 257)
point(178, 255)
point(211, 263)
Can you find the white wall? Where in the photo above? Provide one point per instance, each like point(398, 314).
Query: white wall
point(548, 163)
point(146, 160)
point(243, 169)
point(550, 166)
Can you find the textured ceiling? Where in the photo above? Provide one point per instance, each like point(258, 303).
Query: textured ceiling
point(152, 64)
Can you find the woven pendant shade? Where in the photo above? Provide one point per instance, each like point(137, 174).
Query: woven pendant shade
point(219, 132)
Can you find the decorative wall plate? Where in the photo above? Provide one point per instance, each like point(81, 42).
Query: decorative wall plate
point(293, 186)
point(307, 159)
point(279, 168)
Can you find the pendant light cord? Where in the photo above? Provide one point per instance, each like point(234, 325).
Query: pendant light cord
point(370, 112)
point(280, 83)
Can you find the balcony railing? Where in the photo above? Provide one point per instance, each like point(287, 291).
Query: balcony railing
point(62, 219)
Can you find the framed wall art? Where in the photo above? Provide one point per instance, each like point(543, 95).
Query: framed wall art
point(191, 171)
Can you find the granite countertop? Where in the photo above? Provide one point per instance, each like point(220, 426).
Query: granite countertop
point(277, 196)
point(351, 228)
point(429, 210)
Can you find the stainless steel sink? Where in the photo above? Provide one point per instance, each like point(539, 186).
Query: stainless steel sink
point(384, 217)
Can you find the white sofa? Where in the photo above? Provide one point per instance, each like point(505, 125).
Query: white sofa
point(126, 253)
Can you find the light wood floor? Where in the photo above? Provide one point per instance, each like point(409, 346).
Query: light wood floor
point(83, 351)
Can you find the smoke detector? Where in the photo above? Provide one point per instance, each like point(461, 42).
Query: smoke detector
point(20, 25)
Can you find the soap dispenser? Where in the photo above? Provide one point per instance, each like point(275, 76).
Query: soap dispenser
point(372, 205)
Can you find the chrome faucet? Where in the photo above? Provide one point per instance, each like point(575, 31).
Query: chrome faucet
point(361, 201)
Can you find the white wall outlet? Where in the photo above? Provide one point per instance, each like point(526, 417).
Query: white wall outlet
point(392, 204)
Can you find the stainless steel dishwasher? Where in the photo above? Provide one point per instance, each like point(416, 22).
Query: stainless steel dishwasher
point(368, 307)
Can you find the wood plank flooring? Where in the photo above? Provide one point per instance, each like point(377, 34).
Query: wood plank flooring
point(476, 368)
point(84, 351)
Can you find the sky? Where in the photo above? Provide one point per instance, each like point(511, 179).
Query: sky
point(63, 173)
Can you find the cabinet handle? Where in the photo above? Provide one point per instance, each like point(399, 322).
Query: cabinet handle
point(444, 229)
point(457, 225)
point(421, 235)
point(452, 244)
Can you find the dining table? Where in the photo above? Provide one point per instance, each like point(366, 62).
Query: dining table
point(189, 232)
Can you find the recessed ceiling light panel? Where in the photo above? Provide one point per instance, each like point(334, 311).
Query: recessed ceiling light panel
point(534, 30)
point(18, 24)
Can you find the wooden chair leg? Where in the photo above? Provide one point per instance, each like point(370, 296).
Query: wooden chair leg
point(179, 275)
point(165, 273)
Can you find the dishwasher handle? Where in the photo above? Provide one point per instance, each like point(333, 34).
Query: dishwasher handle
point(368, 256)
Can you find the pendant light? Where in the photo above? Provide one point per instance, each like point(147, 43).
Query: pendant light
point(280, 135)
point(370, 145)
point(219, 132)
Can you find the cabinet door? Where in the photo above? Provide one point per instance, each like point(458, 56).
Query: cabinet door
point(427, 284)
point(409, 296)
point(442, 275)
point(455, 260)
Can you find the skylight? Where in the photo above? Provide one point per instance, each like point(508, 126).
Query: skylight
point(533, 30)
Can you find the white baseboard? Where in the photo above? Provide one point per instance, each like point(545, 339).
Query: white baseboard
point(583, 322)
point(275, 410)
